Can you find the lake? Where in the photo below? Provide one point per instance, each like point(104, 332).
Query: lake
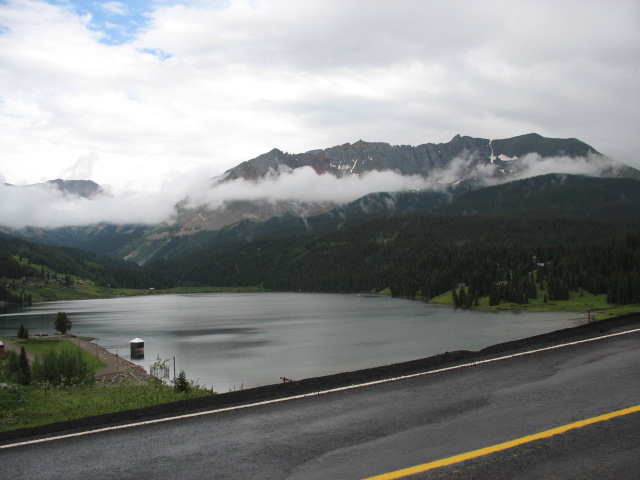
point(228, 341)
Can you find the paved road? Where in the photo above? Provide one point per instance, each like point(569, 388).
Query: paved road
point(369, 431)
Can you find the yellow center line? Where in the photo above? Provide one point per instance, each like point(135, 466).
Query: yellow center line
point(502, 446)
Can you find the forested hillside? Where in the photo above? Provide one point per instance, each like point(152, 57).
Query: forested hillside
point(571, 233)
point(427, 255)
point(25, 265)
point(550, 196)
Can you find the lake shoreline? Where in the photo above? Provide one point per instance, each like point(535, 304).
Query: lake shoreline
point(597, 311)
point(336, 381)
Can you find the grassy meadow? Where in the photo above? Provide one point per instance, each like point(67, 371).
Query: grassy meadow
point(578, 302)
point(24, 406)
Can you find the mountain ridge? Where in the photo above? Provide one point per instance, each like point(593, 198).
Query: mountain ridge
point(557, 196)
point(81, 188)
point(476, 161)
point(450, 169)
point(422, 159)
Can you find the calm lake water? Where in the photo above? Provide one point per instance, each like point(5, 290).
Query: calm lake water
point(226, 341)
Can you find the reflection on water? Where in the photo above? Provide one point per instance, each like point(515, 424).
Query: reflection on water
point(228, 340)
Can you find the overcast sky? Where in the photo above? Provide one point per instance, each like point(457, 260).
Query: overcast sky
point(135, 94)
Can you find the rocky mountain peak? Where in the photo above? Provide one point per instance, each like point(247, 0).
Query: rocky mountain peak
point(425, 160)
point(82, 188)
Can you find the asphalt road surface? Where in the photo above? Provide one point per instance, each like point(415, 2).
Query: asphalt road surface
point(387, 427)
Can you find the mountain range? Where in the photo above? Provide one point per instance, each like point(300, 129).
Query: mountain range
point(79, 188)
point(465, 176)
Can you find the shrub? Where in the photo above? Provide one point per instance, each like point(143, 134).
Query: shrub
point(16, 368)
point(65, 368)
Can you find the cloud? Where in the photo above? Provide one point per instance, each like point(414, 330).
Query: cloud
point(593, 165)
point(48, 208)
point(82, 168)
point(305, 185)
point(466, 166)
point(207, 85)
point(44, 206)
point(115, 8)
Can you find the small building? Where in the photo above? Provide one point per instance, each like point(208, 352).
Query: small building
point(1, 348)
point(137, 348)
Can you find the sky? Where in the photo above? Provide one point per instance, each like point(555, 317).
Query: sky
point(139, 96)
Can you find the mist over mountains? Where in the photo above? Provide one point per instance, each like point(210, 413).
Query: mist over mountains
point(316, 181)
point(363, 177)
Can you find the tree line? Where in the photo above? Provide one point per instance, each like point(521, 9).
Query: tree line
point(404, 255)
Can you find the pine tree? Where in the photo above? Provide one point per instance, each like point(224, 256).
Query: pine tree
point(462, 298)
point(469, 300)
point(25, 368)
point(494, 295)
point(182, 384)
point(454, 294)
point(62, 323)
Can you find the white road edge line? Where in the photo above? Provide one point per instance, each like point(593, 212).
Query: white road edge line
point(313, 394)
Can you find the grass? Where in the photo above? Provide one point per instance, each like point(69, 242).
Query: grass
point(31, 406)
point(53, 291)
point(42, 346)
point(577, 303)
point(444, 299)
point(42, 291)
point(56, 292)
point(179, 290)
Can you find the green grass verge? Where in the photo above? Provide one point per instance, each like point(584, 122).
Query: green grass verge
point(31, 406)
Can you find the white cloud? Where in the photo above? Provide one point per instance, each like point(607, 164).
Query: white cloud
point(115, 8)
point(207, 85)
point(82, 168)
point(465, 166)
point(532, 165)
point(304, 184)
point(46, 207)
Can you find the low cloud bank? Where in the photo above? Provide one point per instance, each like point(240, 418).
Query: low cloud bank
point(46, 207)
point(593, 165)
point(305, 185)
point(530, 165)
